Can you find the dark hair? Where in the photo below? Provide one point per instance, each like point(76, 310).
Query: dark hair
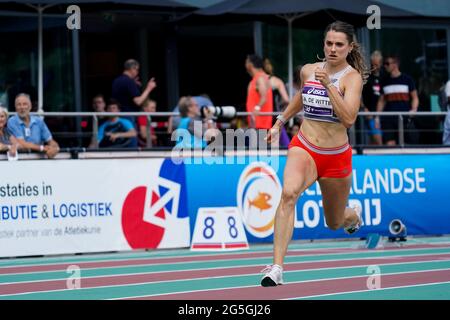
point(394, 57)
point(268, 67)
point(256, 61)
point(355, 58)
point(98, 96)
point(130, 64)
point(113, 101)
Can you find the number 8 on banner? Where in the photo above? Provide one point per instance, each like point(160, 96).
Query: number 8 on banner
point(219, 229)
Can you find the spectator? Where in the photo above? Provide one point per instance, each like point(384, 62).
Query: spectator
point(31, 131)
point(259, 94)
point(398, 93)
point(8, 143)
point(116, 132)
point(187, 135)
point(371, 94)
point(280, 98)
point(174, 121)
point(126, 88)
point(279, 94)
point(98, 105)
point(149, 105)
point(296, 85)
point(446, 137)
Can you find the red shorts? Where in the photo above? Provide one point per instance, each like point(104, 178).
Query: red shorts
point(330, 162)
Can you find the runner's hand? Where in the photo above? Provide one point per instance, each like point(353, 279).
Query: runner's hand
point(322, 76)
point(273, 134)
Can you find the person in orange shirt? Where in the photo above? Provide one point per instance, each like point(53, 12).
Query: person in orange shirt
point(259, 94)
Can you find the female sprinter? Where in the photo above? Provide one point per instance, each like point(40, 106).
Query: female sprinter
point(330, 98)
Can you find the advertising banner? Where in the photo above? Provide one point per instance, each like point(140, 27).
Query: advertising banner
point(69, 206)
point(412, 188)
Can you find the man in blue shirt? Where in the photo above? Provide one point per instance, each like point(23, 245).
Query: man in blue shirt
point(31, 131)
point(116, 132)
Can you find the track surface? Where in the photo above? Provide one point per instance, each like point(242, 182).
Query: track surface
point(419, 269)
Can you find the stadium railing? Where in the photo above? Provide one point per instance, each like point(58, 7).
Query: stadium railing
point(357, 134)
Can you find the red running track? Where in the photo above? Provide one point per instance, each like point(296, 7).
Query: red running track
point(305, 289)
point(28, 287)
point(153, 261)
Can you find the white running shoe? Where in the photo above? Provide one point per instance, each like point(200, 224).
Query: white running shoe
point(355, 227)
point(273, 276)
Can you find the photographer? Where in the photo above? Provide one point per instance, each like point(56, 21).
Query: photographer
point(174, 121)
point(193, 130)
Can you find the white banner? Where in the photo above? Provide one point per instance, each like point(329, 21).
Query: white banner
point(70, 206)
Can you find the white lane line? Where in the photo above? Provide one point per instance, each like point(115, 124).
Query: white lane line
point(205, 254)
point(246, 265)
point(406, 252)
point(240, 275)
point(368, 290)
point(254, 286)
point(169, 255)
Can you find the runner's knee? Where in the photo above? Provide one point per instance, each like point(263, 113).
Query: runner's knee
point(289, 197)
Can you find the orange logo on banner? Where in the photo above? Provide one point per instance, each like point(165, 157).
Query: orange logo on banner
point(258, 194)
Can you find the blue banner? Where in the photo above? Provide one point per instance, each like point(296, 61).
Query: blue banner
point(412, 188)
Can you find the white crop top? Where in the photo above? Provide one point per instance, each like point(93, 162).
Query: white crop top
point(316, 103)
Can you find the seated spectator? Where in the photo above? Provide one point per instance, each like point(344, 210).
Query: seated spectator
point(31, 131)
point(148, 105)
point(8, 143)
point(187, 135)
point(116, 132)
point(98, 105)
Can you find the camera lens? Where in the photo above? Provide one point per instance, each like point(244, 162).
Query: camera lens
point(221, 113)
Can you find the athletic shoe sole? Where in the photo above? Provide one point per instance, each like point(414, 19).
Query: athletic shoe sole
point(268, 282)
